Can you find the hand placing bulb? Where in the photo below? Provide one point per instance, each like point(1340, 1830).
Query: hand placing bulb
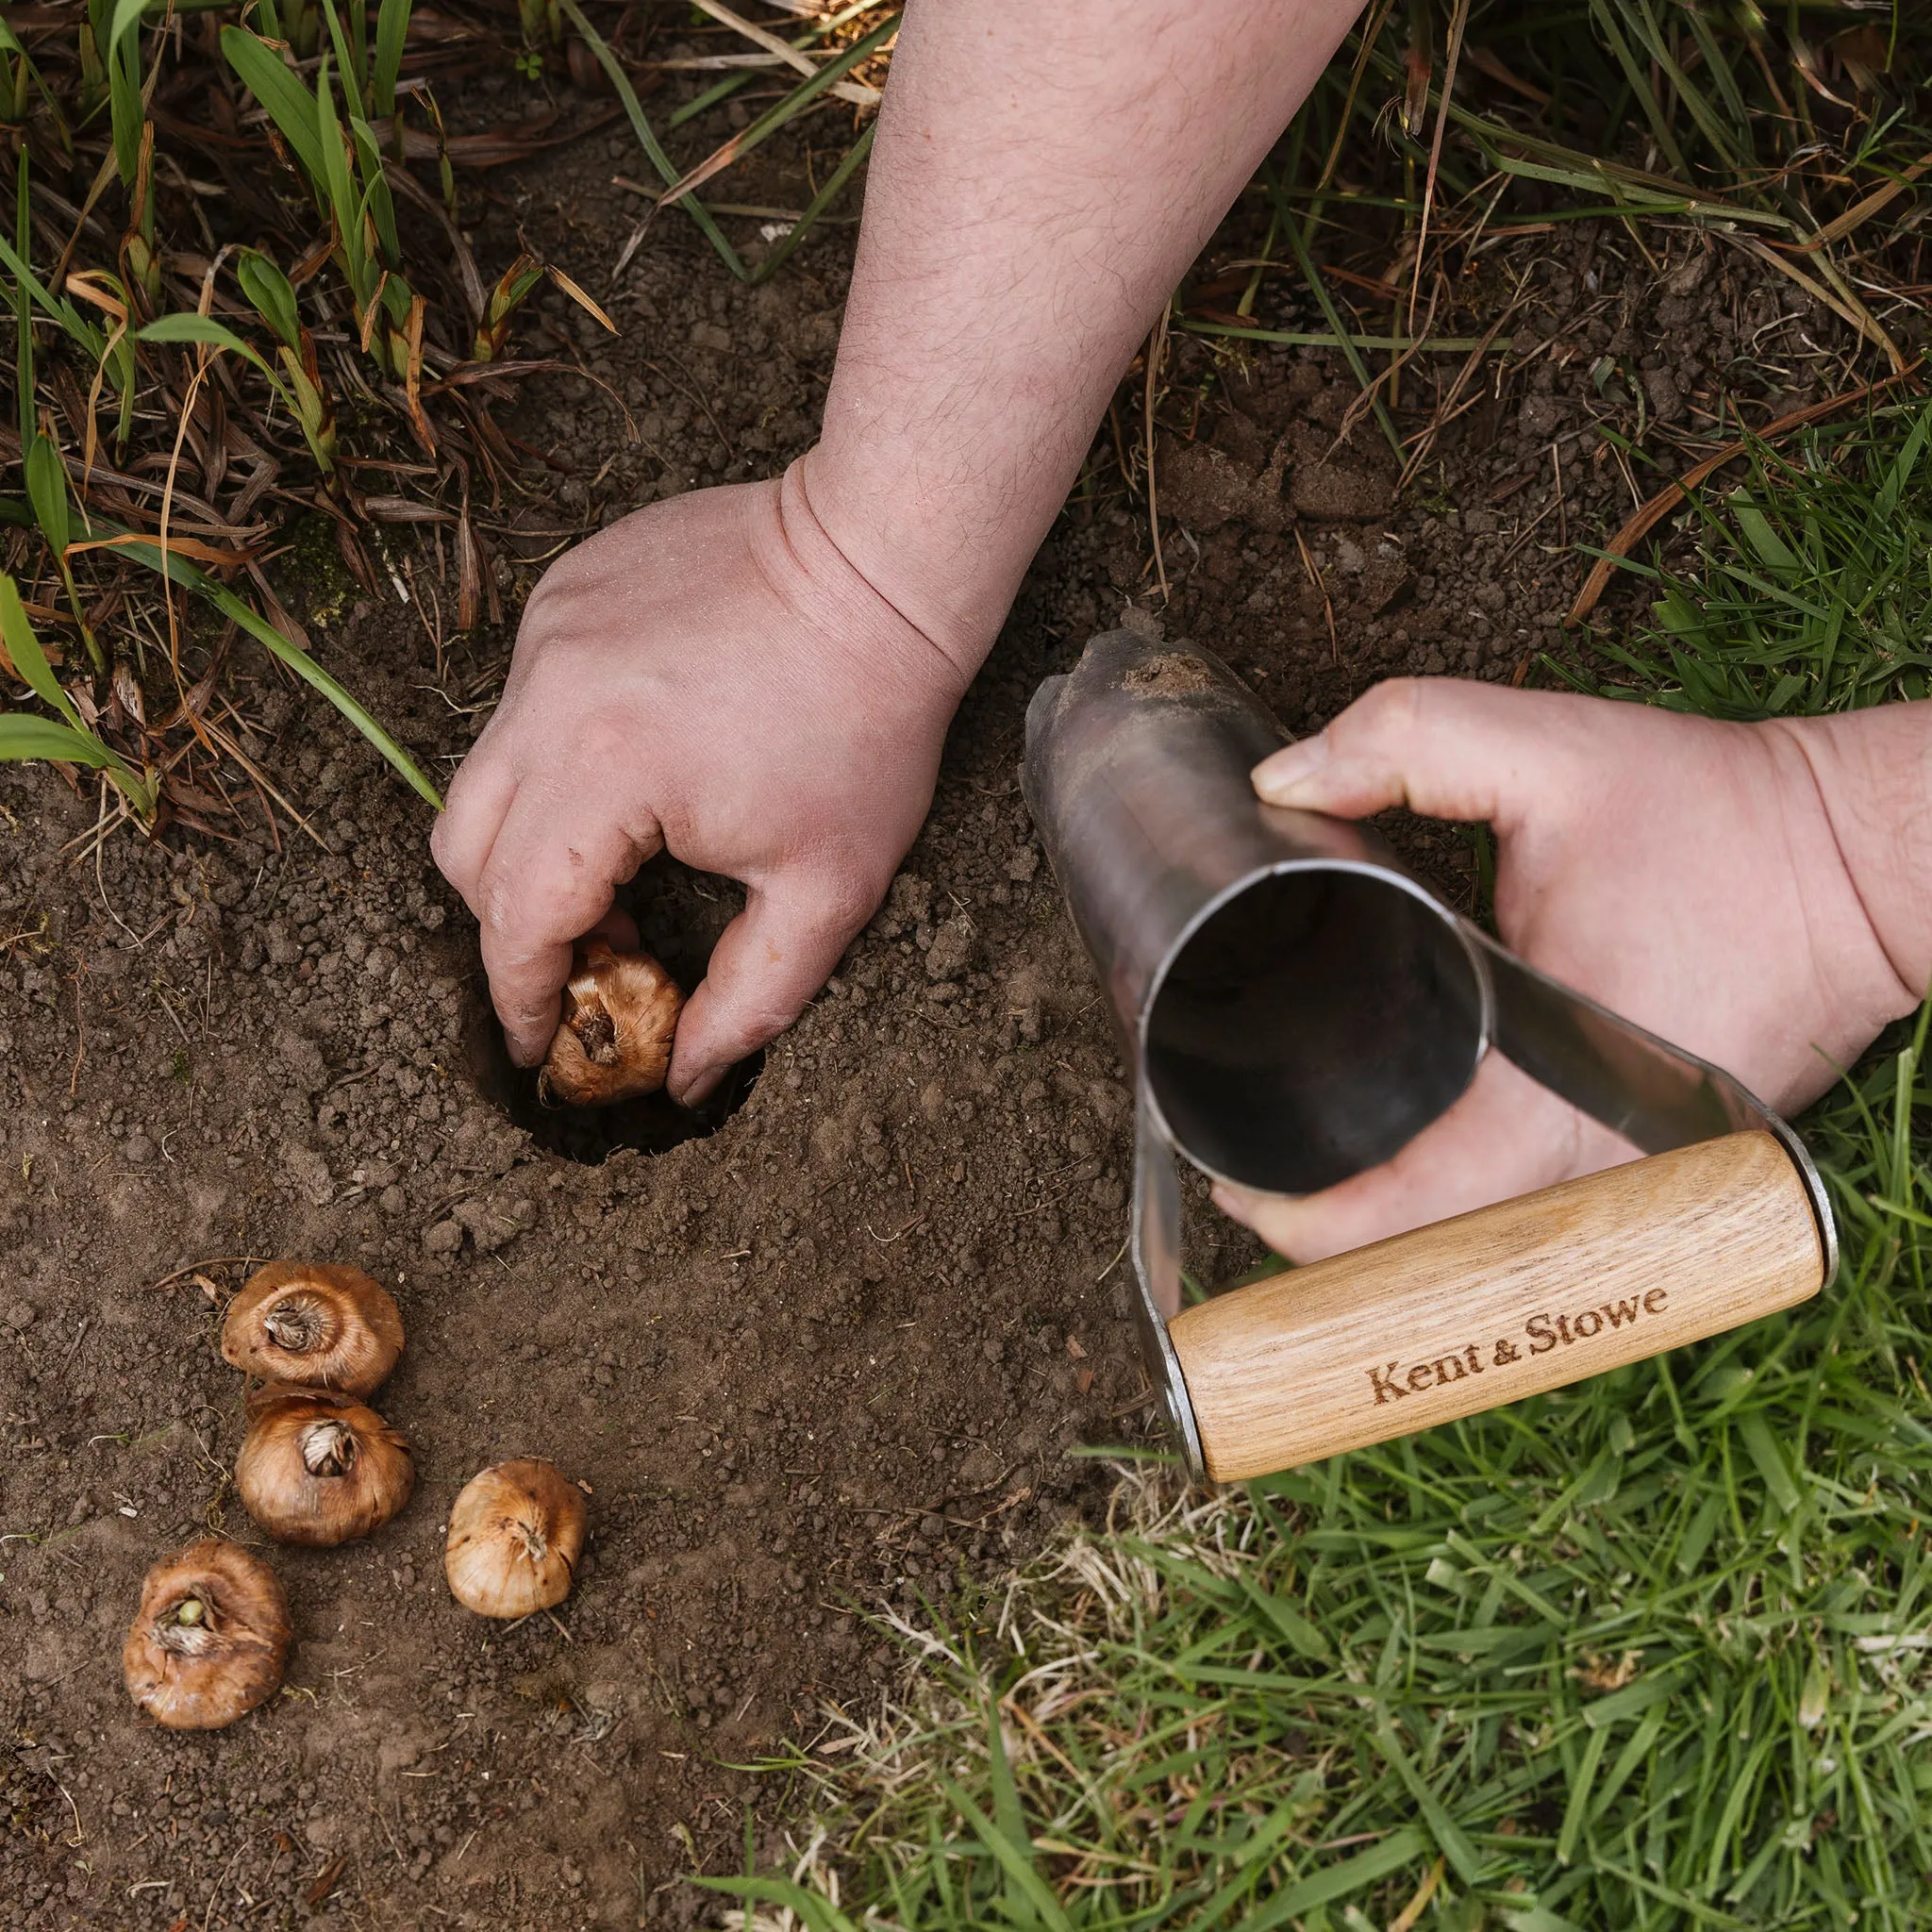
point(711, 676)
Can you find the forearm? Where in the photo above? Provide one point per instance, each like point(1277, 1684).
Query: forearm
point(1041, 179)
point(1873, 771)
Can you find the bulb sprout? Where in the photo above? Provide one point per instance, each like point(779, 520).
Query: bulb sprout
point(210, 1639)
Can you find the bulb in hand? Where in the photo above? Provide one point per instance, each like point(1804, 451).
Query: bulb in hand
point(620, 1012)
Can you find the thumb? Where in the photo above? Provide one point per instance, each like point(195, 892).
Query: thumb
point(1448, 747)
point(1505, 1137)
point(768, 963)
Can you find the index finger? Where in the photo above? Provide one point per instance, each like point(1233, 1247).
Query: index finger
point(549, 879)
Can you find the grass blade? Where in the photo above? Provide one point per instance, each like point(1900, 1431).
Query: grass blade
point(89, 340)
point(1014, 1861)
point(391, 30)
point(289, 105)
point(23, 736)
point(817, 1912)
point(1337, 1881)
point(1450, 1839)
point(147, 550)
point(23, 647)
point(1344, 340)
point(833, 187)
point(127, 111)
point(186, 326)
point(641, 127)
point(46, 490)
point(346, 64)
point(273, 296)
point(769, 123)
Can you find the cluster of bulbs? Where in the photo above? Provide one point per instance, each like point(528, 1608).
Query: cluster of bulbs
point(320, 1467)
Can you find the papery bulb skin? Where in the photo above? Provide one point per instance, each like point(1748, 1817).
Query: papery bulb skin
point(620, 1014)
point(210, 1639)
point(319, 1324)
point(321, 1468)
point(515, 1535)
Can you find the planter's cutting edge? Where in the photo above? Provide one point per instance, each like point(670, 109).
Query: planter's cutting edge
point(1295, 1008)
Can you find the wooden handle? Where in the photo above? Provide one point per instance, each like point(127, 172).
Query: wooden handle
point(1503, 1303)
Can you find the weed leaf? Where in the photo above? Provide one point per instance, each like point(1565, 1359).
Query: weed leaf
point(289, 105)
point(46, 490)
point(24, 736)
point(23, 647)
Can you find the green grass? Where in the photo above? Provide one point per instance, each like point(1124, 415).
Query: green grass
point(1810, 584)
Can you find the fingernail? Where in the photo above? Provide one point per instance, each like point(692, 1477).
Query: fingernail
point(1288, 778)
point(694, 1092)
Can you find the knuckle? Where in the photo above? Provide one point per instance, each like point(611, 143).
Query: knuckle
point(1392, 708)
point(847, 903)
point(563, 576)
point(759, 1021)
point(551, 901)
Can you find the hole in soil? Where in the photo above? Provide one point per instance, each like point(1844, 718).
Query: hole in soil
point(680, 913)
point(591, 1134)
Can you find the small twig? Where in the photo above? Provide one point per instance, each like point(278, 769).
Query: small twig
point(1536, 525)
point(73, 1346)
point(79, 1836)
point(79, 1035)
point(1328, 607)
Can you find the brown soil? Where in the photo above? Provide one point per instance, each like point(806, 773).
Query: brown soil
point(807, 1366)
